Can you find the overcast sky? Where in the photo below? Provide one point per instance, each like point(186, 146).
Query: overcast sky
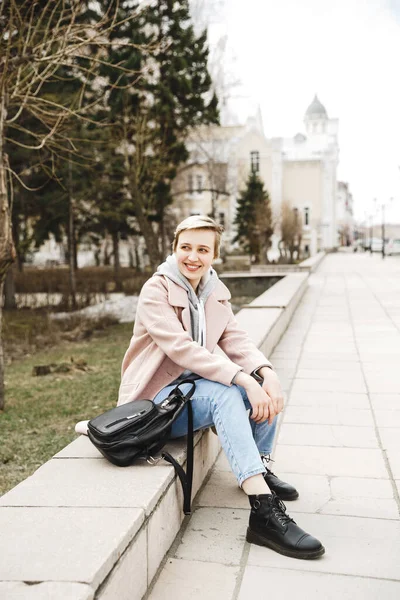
point(346, 51)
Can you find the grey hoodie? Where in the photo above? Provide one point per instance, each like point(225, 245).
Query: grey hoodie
point(170, 269)
point(208, 282)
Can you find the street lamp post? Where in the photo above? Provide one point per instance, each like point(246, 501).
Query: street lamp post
point(370, 234)
point(383, 226)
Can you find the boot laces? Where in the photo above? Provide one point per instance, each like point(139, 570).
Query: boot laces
point(266, 459)
point(279, 510)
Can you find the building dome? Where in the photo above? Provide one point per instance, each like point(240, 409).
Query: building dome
point(316, 110)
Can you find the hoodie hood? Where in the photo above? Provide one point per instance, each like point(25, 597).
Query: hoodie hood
point(207, 284)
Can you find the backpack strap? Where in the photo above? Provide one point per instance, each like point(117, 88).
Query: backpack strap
point(186, 479)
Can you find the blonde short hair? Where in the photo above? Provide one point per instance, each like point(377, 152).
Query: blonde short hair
point(199, 222)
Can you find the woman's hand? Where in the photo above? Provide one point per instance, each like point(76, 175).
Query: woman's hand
point(262, 404)
point(272, 387)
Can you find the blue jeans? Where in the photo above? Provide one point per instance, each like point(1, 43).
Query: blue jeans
point(225, 407)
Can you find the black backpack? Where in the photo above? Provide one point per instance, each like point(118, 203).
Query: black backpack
point(140, 429)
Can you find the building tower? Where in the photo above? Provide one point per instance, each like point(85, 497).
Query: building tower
point(316, 118)
point(323, 136)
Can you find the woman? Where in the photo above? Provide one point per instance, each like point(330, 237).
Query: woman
point(183, 315)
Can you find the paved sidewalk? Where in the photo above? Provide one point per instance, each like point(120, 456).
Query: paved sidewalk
point(339, 443)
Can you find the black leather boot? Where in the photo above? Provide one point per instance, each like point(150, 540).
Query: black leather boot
point(284, 490)
point(271, 526)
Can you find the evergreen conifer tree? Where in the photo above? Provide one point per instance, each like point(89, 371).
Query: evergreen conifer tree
point(254, 219)
point(152, 115)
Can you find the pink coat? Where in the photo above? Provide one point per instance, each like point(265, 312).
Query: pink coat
point(161, 347)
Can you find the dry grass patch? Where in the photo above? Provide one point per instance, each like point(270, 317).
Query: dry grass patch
point(41, 412)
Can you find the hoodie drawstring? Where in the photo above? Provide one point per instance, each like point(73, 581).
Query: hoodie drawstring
point(202, 323)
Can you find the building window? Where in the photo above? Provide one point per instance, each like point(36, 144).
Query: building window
point(222, 219)
point(199, 184)
point(255, 161)
point(191, 184)
point(306, 216)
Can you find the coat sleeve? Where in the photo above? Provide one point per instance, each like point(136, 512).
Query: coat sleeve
point(238, 346)
point(161, 322)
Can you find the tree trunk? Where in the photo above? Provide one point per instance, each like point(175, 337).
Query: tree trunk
point(137, 257)
point(10, 302)
point(147, 232)
point(115, 244)
point(106, 254)
point(162, 233)
point(7, 249)
point(71, 236)
point(75, 252)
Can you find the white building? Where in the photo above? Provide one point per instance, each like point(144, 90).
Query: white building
point(299, 170)
point(310, 161)
point(221, 159)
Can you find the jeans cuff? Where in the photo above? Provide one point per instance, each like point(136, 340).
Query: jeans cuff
point(250, 474)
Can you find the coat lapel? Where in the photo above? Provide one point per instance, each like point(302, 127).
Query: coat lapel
point(178, 297)
point(217, 315)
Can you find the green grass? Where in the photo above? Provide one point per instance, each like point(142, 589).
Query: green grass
point(41, 412)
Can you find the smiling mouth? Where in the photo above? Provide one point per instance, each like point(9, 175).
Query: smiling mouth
point(192, 267)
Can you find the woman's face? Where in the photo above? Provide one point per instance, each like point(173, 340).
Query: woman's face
point(194, 253)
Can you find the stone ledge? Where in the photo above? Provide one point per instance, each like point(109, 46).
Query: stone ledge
point(308, 265)
point(312, 263)
point(81, 528)
point(282, 293)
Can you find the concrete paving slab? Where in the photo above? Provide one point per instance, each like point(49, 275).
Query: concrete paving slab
point(393, 457)
point(282, 293)
point(314, 586)
point(387, 418)
point(283, 364)
point(82, 447)
point(383, 384)
point(330, 415)
point(331, 350)
point(329, 385)
point(222, 491)
point(64, 544)
point(183, 579)
point(314, 490)
point(91, 483)
point(287, 354)
point(48, 590)
point(340, 436)
point(216, 534)
point(349, 487)
point(163, 527)
point(333, 365)
point(359, 547)
point(361, 507)
point(345, 462)
point(327, 374)
point(250, 319)
point(222, 463)
point(390, 437)
point(128, 580)
point(319, 399)
point(333, 357)
point(385, 401)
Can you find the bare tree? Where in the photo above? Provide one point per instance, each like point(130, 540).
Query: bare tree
point(38, 41)
point(291, 233)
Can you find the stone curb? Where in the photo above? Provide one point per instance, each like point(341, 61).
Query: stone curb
point(81, 528)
